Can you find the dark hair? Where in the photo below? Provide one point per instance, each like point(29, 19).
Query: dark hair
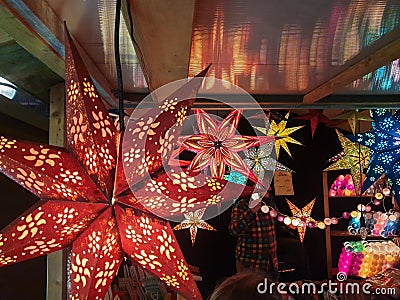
point(243, 286)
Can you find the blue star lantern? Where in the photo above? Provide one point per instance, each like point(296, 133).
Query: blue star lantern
point(384, 141)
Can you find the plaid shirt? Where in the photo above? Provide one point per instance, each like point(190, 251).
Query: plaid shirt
point(256, 237)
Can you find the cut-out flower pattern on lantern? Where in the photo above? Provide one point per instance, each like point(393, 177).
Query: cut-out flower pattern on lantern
point(31, 226)
point(30, 180)
point(78, 129)
point(355, 157)
point(384, 141)
point(166, 241)
point(6, 143)
point(183, 270)
point(145, 128)
point(85, 201)
point(90, 90)
point(102, 124)
point(41, 157)
point(169, 104)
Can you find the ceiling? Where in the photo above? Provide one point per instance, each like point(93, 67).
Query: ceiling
point(329, 54)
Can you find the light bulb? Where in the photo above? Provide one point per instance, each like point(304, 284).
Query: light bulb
point(265, 209)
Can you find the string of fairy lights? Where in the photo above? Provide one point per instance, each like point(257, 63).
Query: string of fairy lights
point(377, 223)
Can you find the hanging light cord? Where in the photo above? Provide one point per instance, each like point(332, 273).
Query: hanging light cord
point(358, 122)
point(118, 66)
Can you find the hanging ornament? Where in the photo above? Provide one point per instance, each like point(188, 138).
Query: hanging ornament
point(315, 116)
point(85, 203)
point(356, 158)
point(353, 117)
point(304, 215)
point(259, 161)
point(282, 134)
point(217, 146)
point(193, 220)
point(383, 139)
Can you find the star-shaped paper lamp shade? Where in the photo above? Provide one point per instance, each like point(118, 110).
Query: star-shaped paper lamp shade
point(193, 221)
point(282, 134)
point(384, 141)
point(352, 117)
point(260, 160)
point(355, 158)
point(84, 201)
point(217, 146)
point(304, 215)
point(315, 116)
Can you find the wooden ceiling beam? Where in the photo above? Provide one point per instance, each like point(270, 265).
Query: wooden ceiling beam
point(28, 39)
point(35, 26)
point(162, 34)
point(380, 53)
point(5, 37)
point(23, 113)
point(26, 71)
point(292, 102)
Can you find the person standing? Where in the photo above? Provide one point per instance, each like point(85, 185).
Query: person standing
point(256, 248)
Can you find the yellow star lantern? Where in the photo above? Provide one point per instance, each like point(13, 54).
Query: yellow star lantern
point(193, 220)
point(282, 133)
point(354, 157)
point(304, 215)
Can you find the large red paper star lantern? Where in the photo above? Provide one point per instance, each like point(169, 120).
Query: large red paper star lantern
point(85, 200)
point(217, 146)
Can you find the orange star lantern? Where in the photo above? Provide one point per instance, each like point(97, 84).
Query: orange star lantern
point(303, 215)
point(86, 203)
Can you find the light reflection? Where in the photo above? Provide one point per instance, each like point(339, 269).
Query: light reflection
point(7, 88)
point(278, 47)
point(384, 79)
point(129, 61)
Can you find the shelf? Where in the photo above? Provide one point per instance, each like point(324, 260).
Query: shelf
point(348, 234)
point(350, 200)
point(342, 233)
point(333, 197)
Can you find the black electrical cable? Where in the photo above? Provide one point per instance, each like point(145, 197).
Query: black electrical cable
point(118, 66)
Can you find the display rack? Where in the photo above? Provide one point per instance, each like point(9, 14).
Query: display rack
point(330, 232)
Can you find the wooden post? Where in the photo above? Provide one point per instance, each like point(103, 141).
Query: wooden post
point(56, 261)
point(327, 228)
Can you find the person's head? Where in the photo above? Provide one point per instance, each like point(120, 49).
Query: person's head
point(245, 285)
